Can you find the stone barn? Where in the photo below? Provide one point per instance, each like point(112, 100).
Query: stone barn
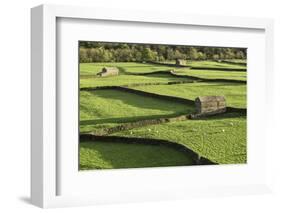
point(210, 105)
point(181, 62)
point(108, 71)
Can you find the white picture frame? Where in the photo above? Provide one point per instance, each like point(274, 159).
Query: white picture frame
point(45, 168)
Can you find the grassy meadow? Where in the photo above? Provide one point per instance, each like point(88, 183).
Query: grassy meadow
point(220, 139)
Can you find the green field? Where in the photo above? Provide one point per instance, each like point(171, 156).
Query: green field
point(212, 74)
point(88, 73)
point(220, 139)
point(235, 93)
point(213, 64)
point(110, 155)
point(107, 108)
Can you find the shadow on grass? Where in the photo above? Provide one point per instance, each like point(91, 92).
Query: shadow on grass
point(142, 101)
point(222, 116)
point(108, 155)
point(218, 84)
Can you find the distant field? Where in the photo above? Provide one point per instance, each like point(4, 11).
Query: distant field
point(237, 60)
point(93, 81)
point(94, 68)
point(213, 64)
point(220, 138)
point(88, 73)
point(212, 74)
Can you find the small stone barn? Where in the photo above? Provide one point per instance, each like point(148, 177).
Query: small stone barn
point(210, 105)
point(108, 71)
point(180, 62)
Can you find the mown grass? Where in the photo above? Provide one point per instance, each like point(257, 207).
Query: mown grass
point(124, 80)
point(107, 108)
point(109, 155)
point(212, 74)
point(94, 68)
point(237, 60)
point(88, 73)
point(213, 64)
point(88, 76)
point(235, 93)
point(220, 139)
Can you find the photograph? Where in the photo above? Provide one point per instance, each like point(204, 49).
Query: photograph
point(161, 105)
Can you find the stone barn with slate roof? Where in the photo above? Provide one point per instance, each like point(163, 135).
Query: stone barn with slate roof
point(181, 62)
point(210, 105)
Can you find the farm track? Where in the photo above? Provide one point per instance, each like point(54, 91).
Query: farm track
point(197, 160)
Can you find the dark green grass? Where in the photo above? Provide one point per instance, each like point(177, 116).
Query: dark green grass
point(220, 139)
point(109, 155)
point(107, 108)
point(234, 93)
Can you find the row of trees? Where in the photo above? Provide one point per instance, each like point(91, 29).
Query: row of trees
point(121, 52)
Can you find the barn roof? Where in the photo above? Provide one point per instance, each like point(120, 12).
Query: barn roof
point(210, 98)
point(109, 68)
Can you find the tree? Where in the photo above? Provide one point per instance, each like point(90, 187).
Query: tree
point(201, 56)
point(106, 52)
point(123, 55)
point(216, 57)
point(240, 55)
point(179, 55)
point(149, 55)
point(83, 56)
point(193, 54)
